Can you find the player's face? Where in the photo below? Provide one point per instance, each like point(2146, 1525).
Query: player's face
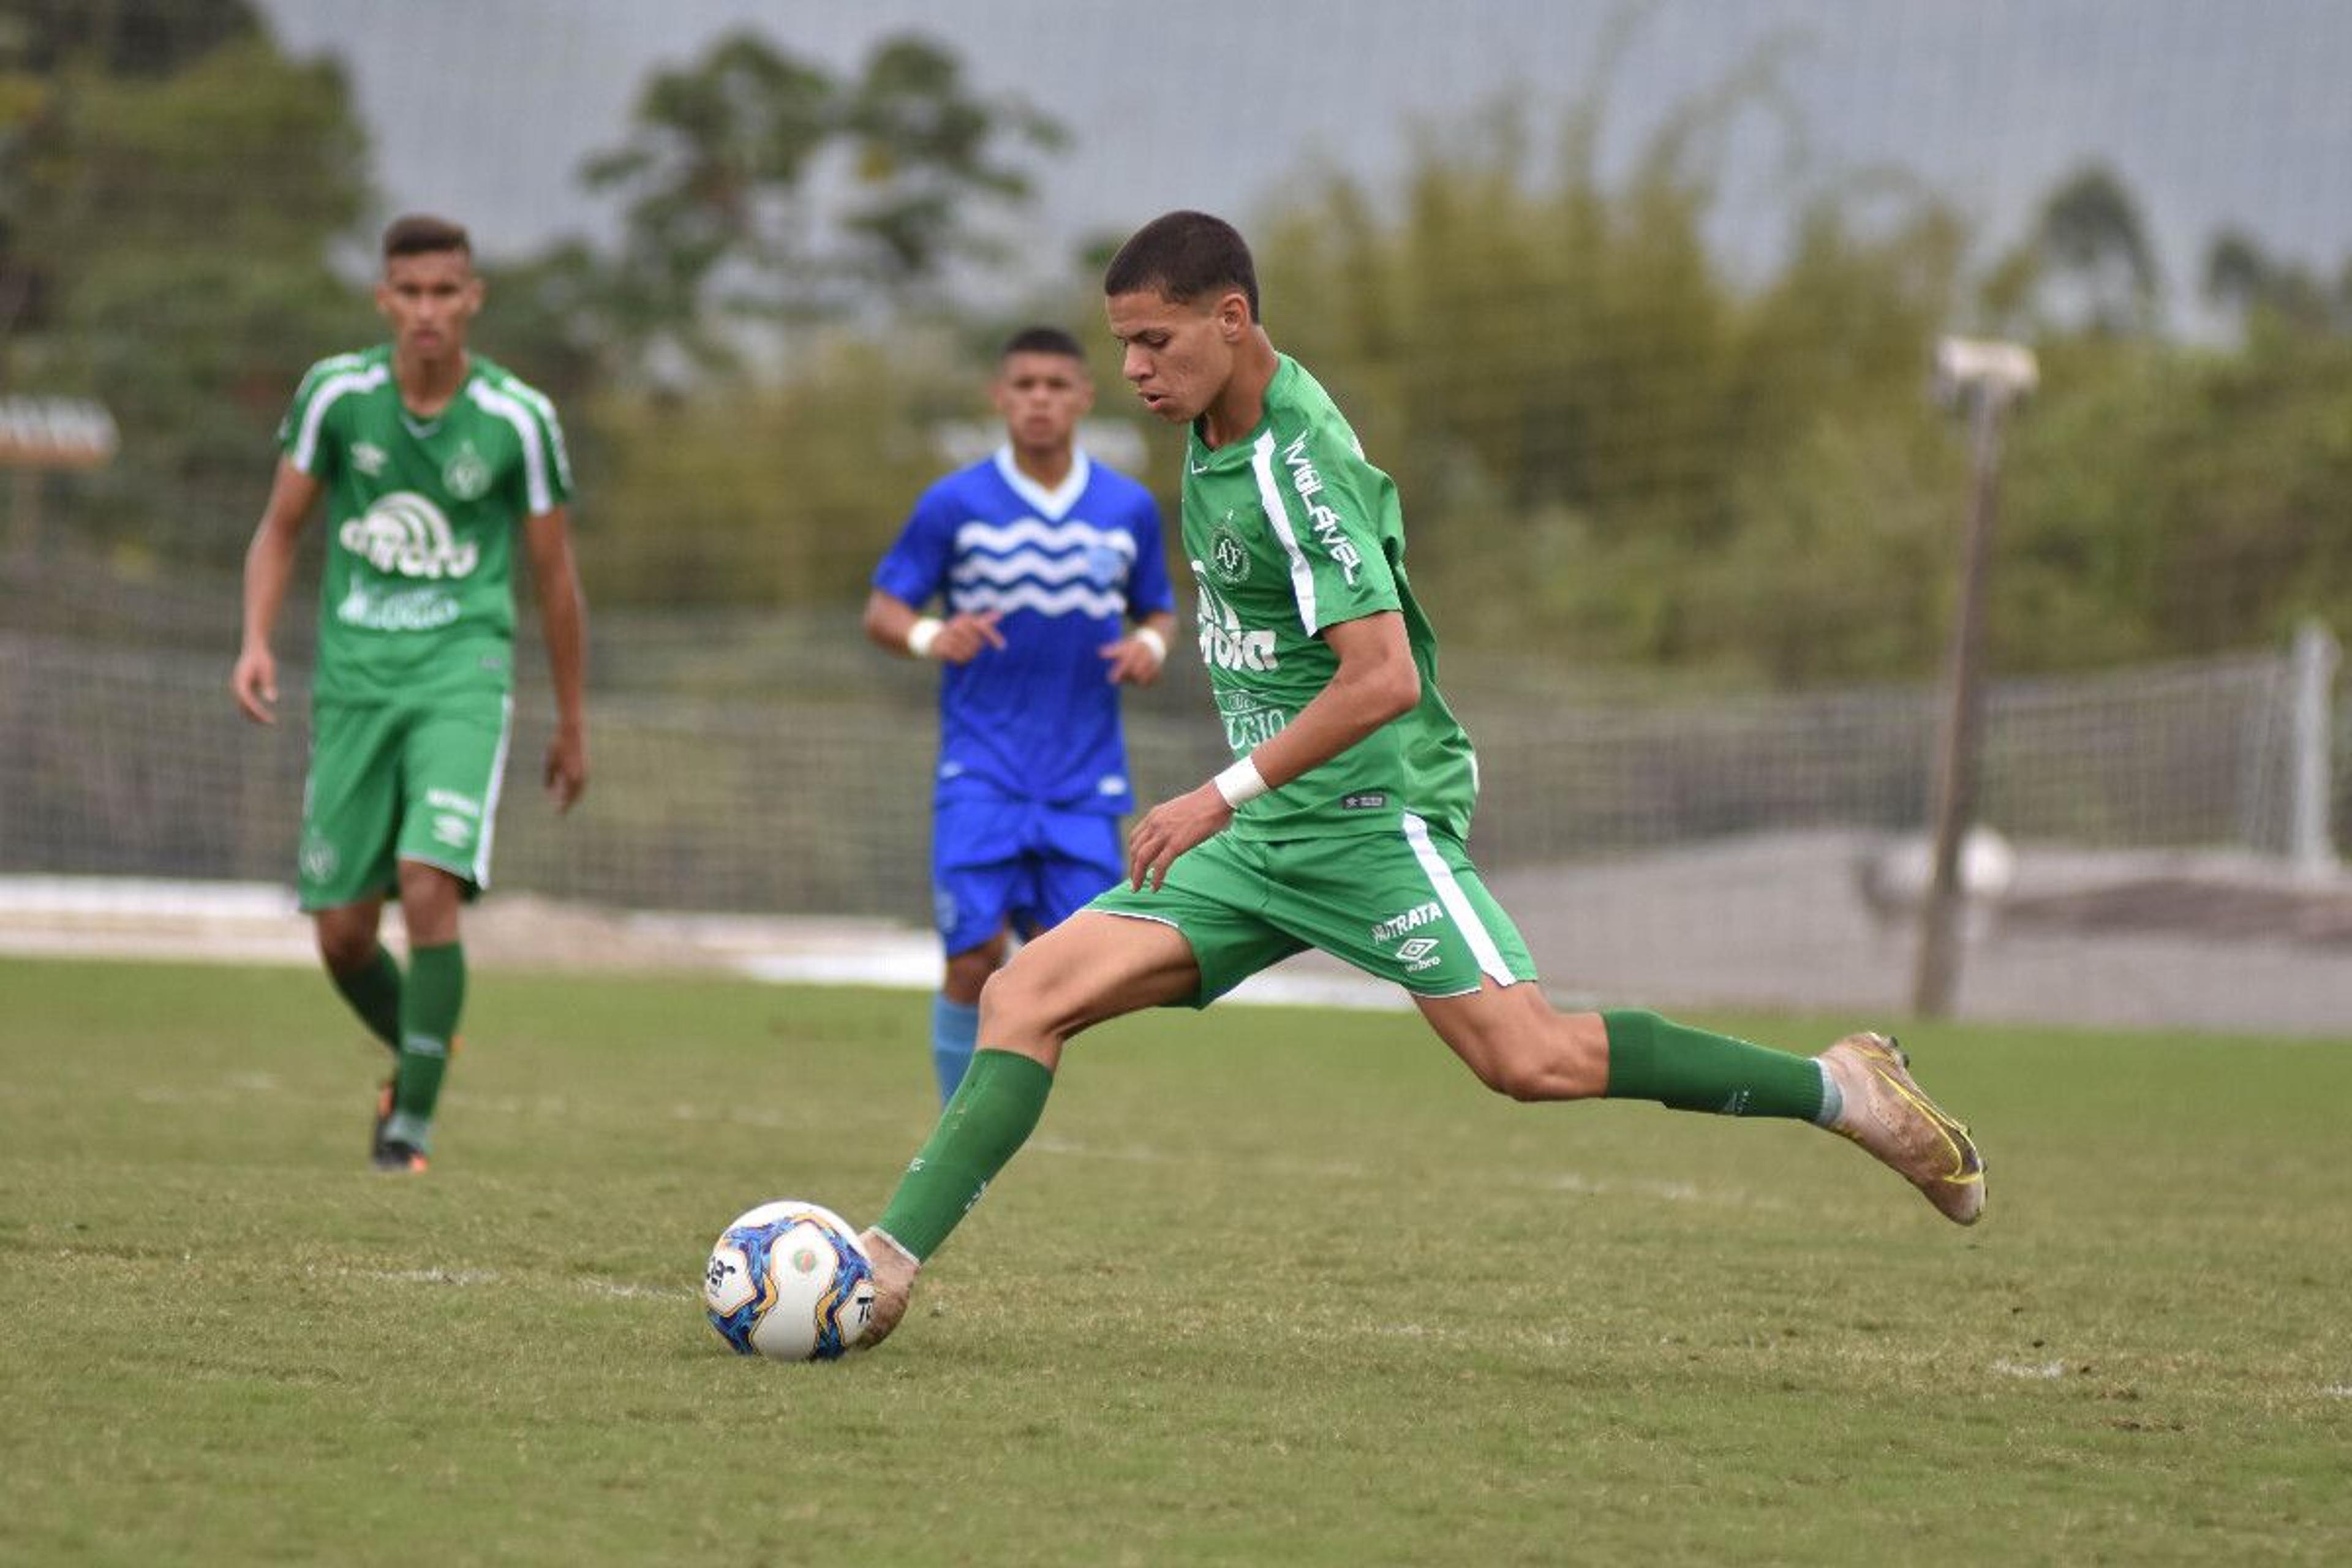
point(430, 300)
point(1042, 398)
point(1179, 355)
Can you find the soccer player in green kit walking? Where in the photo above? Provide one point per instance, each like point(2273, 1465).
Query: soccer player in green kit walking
point(1341, 824)
point(428, 458)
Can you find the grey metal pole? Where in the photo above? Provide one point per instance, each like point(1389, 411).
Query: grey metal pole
point(2310, 848)
point(1984, 379)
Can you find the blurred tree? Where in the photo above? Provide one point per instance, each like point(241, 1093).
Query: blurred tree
point(2091, 251)
point(2242, 279)
point(761, 187)
point(1612, 447)
point(173, 186)
point(781, 494)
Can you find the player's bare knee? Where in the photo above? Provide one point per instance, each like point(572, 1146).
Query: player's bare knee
point(968, 972)
point(1015, 1003)
point(1520, 1078)
point(346, 946)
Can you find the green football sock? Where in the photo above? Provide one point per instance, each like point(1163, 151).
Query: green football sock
point(429, 1004)
point(994, 1110)
point(1651, 1058)
point(373, 991)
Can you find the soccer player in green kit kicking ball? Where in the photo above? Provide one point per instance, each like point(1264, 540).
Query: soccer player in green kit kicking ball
point(430, 459)
point(1341, 825)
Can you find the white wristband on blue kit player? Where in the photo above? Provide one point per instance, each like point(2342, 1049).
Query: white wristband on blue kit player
point(922, 634)
point(1240, 783)
point(1150, 638)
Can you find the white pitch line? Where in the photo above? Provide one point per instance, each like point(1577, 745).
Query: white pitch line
point(2038, 1371)
point(474, 1277)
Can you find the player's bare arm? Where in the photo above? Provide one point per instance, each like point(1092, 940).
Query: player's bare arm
point(1137, 659)
point(564, 619)
point(269, 566)
point(893, 623)
point(1376, 681)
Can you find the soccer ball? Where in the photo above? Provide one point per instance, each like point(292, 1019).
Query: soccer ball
point(788, 1279)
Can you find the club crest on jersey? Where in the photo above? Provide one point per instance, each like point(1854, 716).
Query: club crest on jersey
point(320, 861)
point(1106, 566)
point(1229, 558)
point(467, 476)
point(404, 534)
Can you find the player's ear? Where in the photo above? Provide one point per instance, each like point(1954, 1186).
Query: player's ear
point(1233, 315)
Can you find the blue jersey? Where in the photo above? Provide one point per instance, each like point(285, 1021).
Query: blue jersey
point(1038, 719)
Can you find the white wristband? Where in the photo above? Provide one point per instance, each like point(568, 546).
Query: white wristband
point(1240, 783)
point(922, 634)
point(1150, 638)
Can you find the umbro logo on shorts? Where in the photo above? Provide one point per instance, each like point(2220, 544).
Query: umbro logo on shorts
point(1419, 954)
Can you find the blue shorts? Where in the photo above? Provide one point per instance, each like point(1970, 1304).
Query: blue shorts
point(1000, 862)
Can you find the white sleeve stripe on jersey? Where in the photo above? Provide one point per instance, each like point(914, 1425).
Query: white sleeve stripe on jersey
point(538, 496)
point(554, 426)
point(1457, 903)
point(1269, 495)
point(305, 455)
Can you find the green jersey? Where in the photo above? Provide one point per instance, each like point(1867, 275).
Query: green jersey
point(1290, 531)
point(417, 595)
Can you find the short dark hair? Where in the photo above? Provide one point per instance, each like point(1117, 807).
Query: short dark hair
point(1182, 256)
point(421, 233)
point(1042, 340)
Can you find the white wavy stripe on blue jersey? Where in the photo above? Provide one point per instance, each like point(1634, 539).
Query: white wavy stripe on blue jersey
point(305, 441)
point(1457, 903)
point(1060, 538)
point(1056, 502)
point(538, 495)
point(1269, 496)
point(1103, 604)
point(1033, 566)
point(1023, 566)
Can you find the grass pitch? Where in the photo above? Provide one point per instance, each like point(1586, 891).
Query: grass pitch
point(1268, 1286)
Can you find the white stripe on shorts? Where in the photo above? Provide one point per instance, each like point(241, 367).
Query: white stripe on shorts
point(1457, 903)
point(490, 796)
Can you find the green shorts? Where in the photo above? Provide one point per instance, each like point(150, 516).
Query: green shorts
point(398, 780)
point(1407, 907)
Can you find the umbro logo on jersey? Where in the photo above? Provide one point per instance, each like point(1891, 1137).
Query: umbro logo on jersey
point(368, 458)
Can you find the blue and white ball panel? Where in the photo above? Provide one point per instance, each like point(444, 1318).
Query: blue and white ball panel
point(788, 1280)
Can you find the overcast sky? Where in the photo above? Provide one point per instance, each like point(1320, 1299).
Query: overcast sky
point(2216, 112)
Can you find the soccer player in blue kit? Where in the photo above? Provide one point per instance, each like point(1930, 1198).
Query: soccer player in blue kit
point(1047, 569)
